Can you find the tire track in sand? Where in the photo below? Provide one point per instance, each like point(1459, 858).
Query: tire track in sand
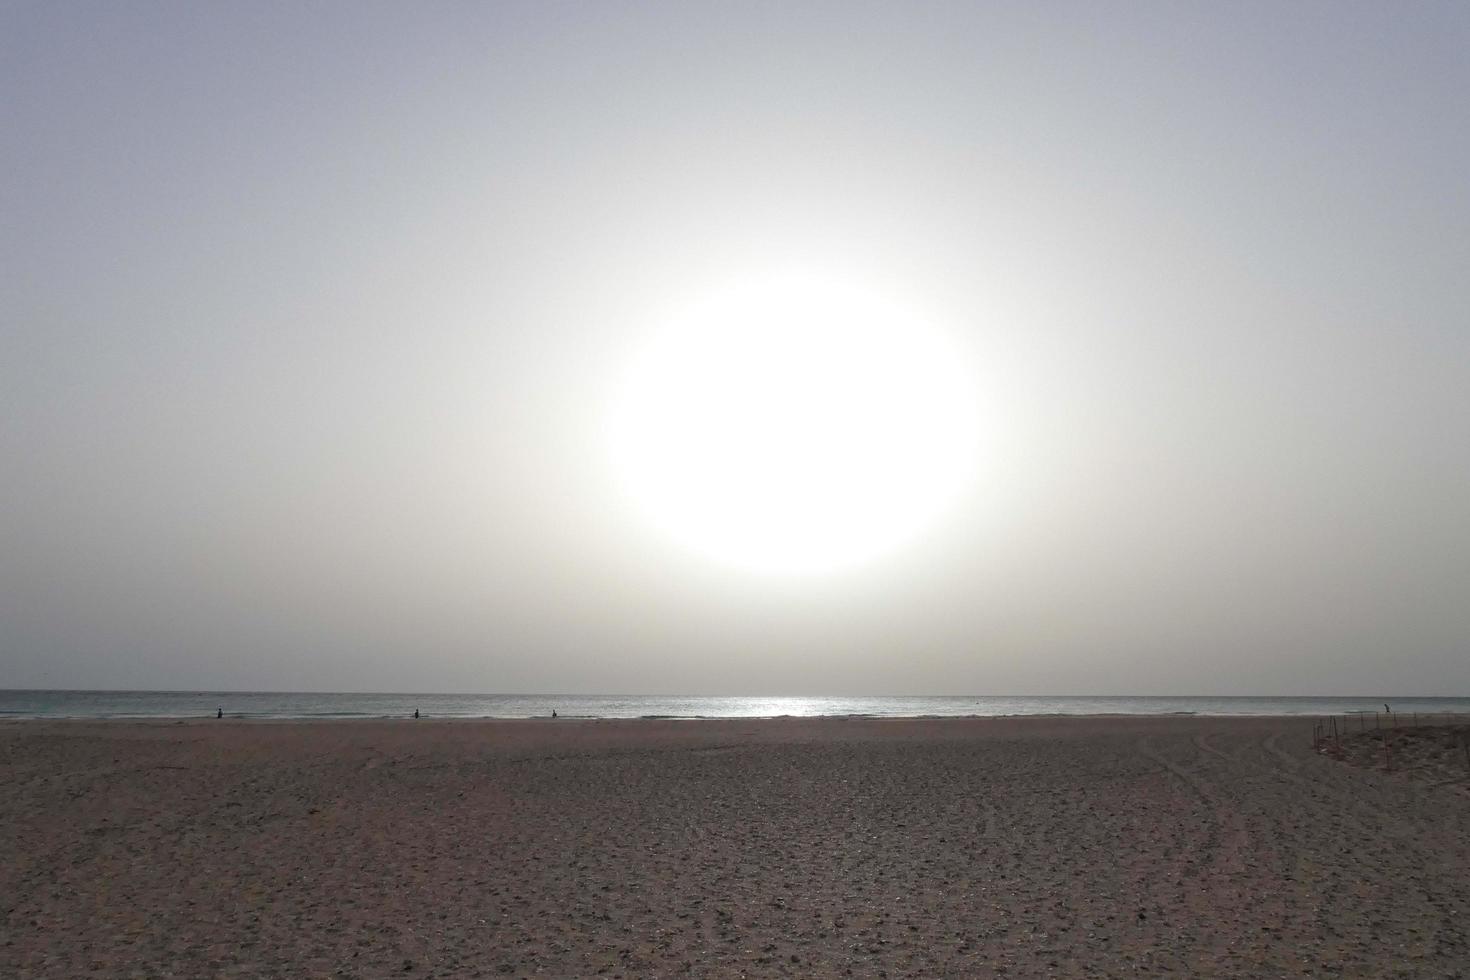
point(1203, 743)
point(1146, 749)
point(1268, 744)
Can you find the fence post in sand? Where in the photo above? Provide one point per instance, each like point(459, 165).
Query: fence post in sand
point(1387, 757)
point(1376, 724)
point(1360, 721)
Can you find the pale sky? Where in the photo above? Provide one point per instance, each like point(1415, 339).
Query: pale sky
point(313, 318)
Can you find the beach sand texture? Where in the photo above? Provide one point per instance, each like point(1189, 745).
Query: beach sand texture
point(805, 848)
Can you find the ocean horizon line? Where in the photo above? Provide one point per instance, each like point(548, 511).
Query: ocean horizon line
point(323, 692)
point(41, 703)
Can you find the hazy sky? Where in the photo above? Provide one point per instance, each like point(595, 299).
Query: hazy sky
point(311, 316)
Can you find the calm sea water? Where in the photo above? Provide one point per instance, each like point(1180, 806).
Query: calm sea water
point(196, 704)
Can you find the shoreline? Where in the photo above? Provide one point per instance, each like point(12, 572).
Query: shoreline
point(583, 719)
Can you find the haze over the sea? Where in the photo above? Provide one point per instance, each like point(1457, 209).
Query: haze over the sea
point(1101, 348)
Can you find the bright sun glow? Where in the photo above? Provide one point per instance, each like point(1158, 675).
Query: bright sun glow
point(794, 425)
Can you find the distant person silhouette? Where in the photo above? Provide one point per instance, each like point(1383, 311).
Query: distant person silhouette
point(1386, 708)
point(415, 712)
point(219, 712)
point(553, 712)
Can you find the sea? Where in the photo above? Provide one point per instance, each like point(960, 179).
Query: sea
point(16, 704)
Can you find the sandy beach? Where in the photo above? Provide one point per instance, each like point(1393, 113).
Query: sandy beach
point(805, 848)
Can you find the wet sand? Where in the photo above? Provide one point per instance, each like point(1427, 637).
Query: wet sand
point(803, 848)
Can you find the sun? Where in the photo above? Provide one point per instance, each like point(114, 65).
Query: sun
point(794, 424)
